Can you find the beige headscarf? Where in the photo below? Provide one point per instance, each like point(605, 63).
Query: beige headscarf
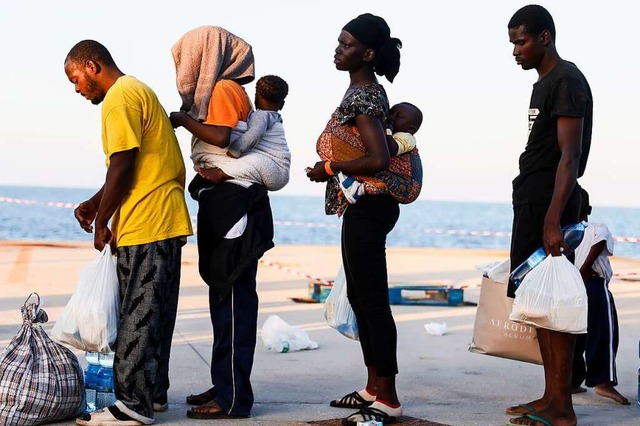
point(203, 56)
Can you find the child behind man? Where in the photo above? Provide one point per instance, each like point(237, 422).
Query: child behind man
point(405, 120)
point(262, 141)
point(600, 344)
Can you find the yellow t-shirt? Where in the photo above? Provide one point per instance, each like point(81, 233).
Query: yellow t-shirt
point(155, 208)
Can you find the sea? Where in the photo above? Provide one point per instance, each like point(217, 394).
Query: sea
point(46, 215)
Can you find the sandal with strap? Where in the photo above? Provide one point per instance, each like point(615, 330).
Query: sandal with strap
point(529, 418)
point(352, 400)
point(519, 410)
point(202, 398)
point(368, 414)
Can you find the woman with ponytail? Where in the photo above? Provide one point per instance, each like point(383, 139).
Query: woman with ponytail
point(354, 142)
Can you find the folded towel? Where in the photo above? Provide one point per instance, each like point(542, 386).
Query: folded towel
point(203, 56)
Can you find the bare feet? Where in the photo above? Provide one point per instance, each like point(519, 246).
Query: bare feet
point(608, 391)
point(530, 407)
point(546, 417)
point(215, 175)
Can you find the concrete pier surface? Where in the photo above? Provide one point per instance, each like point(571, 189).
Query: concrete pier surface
point(439, 381)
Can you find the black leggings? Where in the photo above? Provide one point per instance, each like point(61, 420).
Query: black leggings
point(364, 234)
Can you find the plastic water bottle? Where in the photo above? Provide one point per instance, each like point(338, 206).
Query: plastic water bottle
point(279, 346)
point(91, 379)
point(105, 395)
point(573, 235)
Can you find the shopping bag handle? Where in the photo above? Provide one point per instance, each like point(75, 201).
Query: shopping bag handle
point(38, 315)
point(29, 297)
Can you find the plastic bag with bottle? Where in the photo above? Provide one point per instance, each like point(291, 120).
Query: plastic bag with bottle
point(89, 321)
point(278, 336)
point(552, 296)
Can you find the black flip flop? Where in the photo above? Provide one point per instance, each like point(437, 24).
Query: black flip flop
point(367, 414)
point(214, 415)
point(352, 400)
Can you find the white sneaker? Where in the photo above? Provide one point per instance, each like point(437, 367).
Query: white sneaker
point(351, 188)
point(104, 417)
point(160, 408)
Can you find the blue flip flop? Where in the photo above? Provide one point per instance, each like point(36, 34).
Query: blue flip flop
point(533, 417)
point(529, 409)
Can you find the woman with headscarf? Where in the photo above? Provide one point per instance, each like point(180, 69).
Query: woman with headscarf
point(354, 143)
point(235, 225)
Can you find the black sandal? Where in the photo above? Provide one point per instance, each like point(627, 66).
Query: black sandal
point(368, 414)
point(352, 400)
point(202, 398)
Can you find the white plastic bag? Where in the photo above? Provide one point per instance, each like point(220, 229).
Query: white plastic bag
point(278, 336)
point(338, 311)
point(436, 328)
point(552, 296)
point(90, 319)
point(497, 271)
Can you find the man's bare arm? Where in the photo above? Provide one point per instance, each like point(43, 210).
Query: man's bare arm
point(570, 144)
point(117, 186)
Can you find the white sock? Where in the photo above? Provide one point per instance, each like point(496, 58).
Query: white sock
point(366, 395)
point(394, 412)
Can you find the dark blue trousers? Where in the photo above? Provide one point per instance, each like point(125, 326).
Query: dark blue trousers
point(234, 319)
point(595, 354)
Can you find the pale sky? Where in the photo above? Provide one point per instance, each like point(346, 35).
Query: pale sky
point(456, 66)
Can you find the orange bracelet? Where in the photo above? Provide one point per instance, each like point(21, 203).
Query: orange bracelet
point(327, 168)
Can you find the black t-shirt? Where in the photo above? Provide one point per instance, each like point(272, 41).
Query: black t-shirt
point(562, 92)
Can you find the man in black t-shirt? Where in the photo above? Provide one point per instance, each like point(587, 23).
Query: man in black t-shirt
point(546, 195)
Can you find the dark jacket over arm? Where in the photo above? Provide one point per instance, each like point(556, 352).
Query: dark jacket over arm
point(221, 260)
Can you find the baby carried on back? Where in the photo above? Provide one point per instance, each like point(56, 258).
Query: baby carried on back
point(266, 163)
point(258, 150)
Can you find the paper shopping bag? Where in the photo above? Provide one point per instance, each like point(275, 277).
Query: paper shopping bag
point(493, 332)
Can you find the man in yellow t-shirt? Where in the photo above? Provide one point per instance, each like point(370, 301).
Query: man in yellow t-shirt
point(143, 197)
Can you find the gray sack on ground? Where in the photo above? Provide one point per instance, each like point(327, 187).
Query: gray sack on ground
point(40, 380)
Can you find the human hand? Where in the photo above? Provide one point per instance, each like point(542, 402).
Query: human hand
point(587, 273)
point(85, 214)
point(177, 118)
point(102, 237)
point(391, 126)
point(317, 173)
point(553, 240)
point(215, 175)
